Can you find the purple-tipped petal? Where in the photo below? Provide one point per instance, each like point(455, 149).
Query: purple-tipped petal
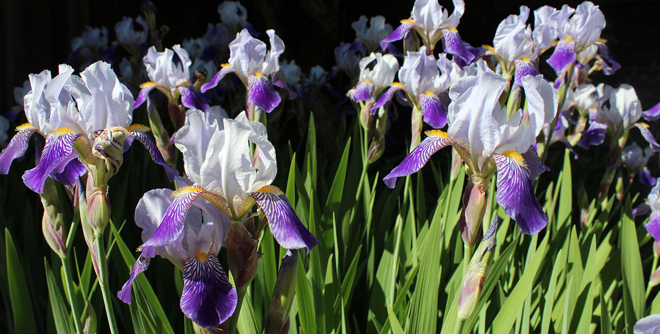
point(563, 55)
point(645, 177)
point(70, 172)
point(595, 135)
point(363, 92)
point(453, 44)
point(262, 94)
point(646, 133)
point(208, 298)
point(434, 114)
point(216, 79)
point(140, 265)
point(652, 114)
point(387, 96)
point(172, 225)
point(143, 95)
point(59, 146)
point(653, 226)
point(399, 33)
point(190, 98)
point(419, 156)
point(523, 69)
point(16, 148)
point(155, 153)
point(285, 225)
point(609, 64)
point(515, 192)
point(279, 80)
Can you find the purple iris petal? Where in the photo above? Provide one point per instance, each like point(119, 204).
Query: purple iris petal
point(216, 79)
point(190, 98)
point(155, 153)
point(419, 156)
point(285, 225)
point(653, 226)
point(645, 177)
point(139, 266)
point(16, 148)
point(208, 298)
point(563, 55)
point(595, 135)
point(386, 97)
point(59, 147)
point(652, 114)
point(453, 44)
point(262, 94)
point(524, 68)
point(434, 114)
point(534, 163)
point(172, 225)
point(515, 193)
point(279, 80)
point(642, 209)
point(646, 133)
point(399, 33)
point(71, 171)
point(363, 92)
point(143, 95)
point(605, 53)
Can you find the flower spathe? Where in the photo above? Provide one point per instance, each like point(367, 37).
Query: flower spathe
point(218, 160)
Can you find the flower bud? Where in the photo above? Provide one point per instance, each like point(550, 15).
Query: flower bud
point(161, 135)
point(90, 323)
point(474, 208)
point(52, 223)
point(476, 273)
point(177, 115)
point(277, 320)
point(109, 147)
point(242, 254)
point(376, 149)
point(656, 248)
point(366, 117)
point(417, 123)
point(98, 206)
point(456, 163)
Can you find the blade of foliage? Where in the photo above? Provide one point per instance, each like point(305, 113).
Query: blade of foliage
point(19, 293)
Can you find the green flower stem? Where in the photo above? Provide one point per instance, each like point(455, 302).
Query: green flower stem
point(103, 282)
point(66, 264)
point(655, 266)
point(233, 321)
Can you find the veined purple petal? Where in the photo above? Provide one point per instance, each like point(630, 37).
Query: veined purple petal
point(419, 156)
point(172, 225)
point(645, 177)
point(653, 226)
point(216, 79)
point(71, 171)
point(534, 163)
point(140, 265)
point(208, 298)
point(363, 92)
point(650, 115)
point(515, 192)
point(399, 33)
point(262, 94)
point(59, 146)
point(563, 55)
point(279, 80)
point(453, 44)
point(595, 135)
point(524, 68)
point(605, 53)
point(646, 133)
point(285, 225)
point(17, 147)
point(155, 153)
point(434, 114)
point(143, 95)
point(190, 98)
point(387, 96)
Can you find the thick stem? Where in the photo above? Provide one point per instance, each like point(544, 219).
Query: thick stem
point(233, 322)
point(103, 282)
point(66, 264)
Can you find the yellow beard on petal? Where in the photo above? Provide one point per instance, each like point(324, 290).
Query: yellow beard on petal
point(437, 134)
point(515, 156)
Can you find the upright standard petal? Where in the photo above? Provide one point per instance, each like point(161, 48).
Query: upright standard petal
point(419, 156)
point(141, 136)
point(140, 265)
point(17, 147)
point(515, 192)
point(285, 225)
point(208, 298)
point(59, 147)
point(262, 94)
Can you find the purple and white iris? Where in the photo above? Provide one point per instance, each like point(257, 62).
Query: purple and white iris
point(377, 31)
point(488, 142)
point(208, 298)
point(653, 201)
point(218, 160)
point(250, 61)
point(636, 160)
point(374, 77)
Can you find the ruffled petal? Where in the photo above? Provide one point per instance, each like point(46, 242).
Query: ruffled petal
point(140, 265)
point(363, 92)
point(208, 298)
point(646, 133)
point(279, 80)
point(149, 144)
point(190, 98)
point(515, 192)
point(595, 135)
point(653, 226)
point(71, 171)
point(387, 96)
point(399, 33)
point(262, 94)
point(434, 114)
point(143, 95)
point(59, 148)
point(216, 79)
point(17, 147)
point(652, 114)
point(419, 156)
point(563, 55)
point(285, 225)
point(453, 44)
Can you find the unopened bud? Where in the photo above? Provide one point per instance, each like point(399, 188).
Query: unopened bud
point(417, 123)
point(161, 135)
point(655, 278)
point(474, 209)
point(283, 295)
point(242, 254)
point(656, 248)
point(52, 223)
point(366, 117)
point(475, 275)
point(98, 206)
point(376, 149)
point(177, 115)
point(456, 163)
point(109, 147)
